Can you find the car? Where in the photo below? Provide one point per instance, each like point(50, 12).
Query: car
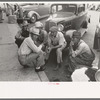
point(68, 17)
point(35, 11)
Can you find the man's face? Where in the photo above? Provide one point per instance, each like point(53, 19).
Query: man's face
point(53, 34)
point(25, 27)
point(75, 40)
point(34, 37)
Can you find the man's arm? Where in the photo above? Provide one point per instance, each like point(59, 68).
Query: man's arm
point(19, 36)
point(78, 51)
point(32, 45)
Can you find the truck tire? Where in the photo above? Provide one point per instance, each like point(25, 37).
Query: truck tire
point(33, 18)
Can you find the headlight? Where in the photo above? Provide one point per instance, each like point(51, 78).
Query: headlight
point(60, 27)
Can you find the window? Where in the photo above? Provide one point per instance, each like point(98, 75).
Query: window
point(53, 9)
point(81, 8)
point(59, 7)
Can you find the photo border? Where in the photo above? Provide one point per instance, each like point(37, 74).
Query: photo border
point(5, 87)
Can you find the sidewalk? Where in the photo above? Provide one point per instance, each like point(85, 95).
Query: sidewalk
point(10, 68)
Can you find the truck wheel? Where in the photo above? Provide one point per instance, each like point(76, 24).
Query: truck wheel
point(33, 18)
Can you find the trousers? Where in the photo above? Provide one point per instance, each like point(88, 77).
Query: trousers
point(32, 60)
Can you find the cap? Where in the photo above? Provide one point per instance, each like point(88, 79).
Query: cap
point(54, 29)
point(25, 23)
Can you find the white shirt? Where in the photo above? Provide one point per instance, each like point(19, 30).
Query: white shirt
point(82, 48)
point(28, 46)
point(61, 38)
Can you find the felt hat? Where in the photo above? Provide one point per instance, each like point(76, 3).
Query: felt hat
point(76, 34)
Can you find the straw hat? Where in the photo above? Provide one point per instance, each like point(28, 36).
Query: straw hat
point(38, 24)
point(34, 30)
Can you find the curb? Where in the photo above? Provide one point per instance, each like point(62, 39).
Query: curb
point(43, 77)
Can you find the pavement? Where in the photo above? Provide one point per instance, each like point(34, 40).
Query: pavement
point(10, 68)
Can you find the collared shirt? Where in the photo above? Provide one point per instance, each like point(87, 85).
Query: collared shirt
point(28, 46)
point(59, 39)
point(82, 47)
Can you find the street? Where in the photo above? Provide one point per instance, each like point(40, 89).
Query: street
point(10, 68)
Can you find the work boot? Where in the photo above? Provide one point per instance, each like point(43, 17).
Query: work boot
point(42, 68)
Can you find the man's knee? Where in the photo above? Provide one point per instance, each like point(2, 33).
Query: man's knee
point(58, 50)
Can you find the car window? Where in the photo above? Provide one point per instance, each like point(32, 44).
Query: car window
point(81, 8)
point(64, 8)
point(60, 7)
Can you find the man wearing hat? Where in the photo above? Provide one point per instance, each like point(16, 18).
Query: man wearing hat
point(42, 32)
point(58, 42)
point(80, 53)
point(29, 54)
point(43, 36)
point(22, 34)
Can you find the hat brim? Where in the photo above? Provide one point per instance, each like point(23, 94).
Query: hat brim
point(76, 36)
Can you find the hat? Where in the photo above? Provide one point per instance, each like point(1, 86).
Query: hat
point(25, 23)
point(38, 24)
point(97, 75)
point(76, 34)
point(54, 29)
point(34, 30)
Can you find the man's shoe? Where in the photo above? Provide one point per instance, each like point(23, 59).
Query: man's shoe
point(42, 68)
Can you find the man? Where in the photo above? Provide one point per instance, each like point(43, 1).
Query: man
point(42, 32)
point(43, 36)
point(58, 42)
point(81, 54)
point(22, 34)
point(29, 53)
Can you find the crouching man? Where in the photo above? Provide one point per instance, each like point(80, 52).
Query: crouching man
point(29, 53)
point(22, 34)
point(80, 53)
point(58, 42)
